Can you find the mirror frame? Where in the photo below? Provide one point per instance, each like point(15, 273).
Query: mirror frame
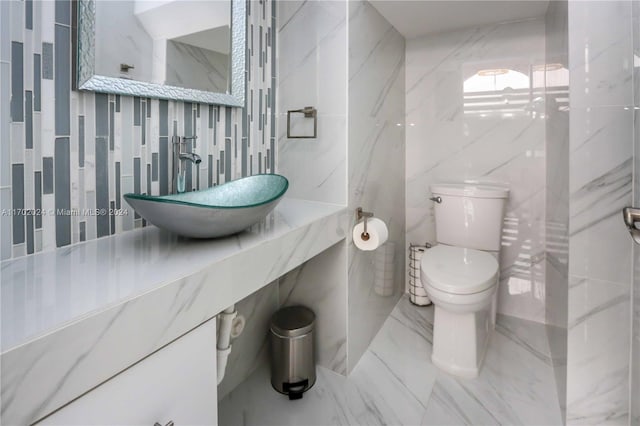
point(87, 79)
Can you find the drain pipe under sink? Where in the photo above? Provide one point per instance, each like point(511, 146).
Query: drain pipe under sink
point(231, 326)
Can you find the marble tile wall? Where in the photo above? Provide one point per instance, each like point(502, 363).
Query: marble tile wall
point(317, 284)
point(349, 65)
point(312, 69)
point(250, 349)
point(70, 150)
point(376, 164)
point(460, 127)
point(634, 397)
point(557, 190)
point(601, 169)
point(320, 285)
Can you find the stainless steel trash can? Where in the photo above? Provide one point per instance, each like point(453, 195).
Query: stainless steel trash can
point(293, 365)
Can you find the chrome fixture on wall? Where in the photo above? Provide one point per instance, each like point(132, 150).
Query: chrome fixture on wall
point(179, 159)
point(360, 214)
point(631, 216)
point(308, 112)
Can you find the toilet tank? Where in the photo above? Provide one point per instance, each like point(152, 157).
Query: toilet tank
point(470, 215)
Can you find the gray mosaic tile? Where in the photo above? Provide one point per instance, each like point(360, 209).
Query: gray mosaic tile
point(47, 61)
point(126, 136)
point(102, 185)
point(62, 74)
point(136, 179)
point(164, 165)
point(112, 216)
point(28, 122)
point(164, 117)
point(136, 111)
point(260, 57)
point(17, 82)
point(143, 122)
point(63, 12)
point(188, 123)
point(137, 187)
point(37, 83)
point(37, 193)
point(154, 167)
point(30, 232)
point(112, 120)
point(260, 109)
point(81, 141)
point(118, 185)
point(148, 178)
point(210, 170)
point(17, 202)
point(272, 154)
point(216, 121)
point(243, 159)
point(102, 115)
point(28, 14)
point(47, 175)
point(227, 160)
point(62, 191)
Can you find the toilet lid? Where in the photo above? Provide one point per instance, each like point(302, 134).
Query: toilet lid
point(458, 270)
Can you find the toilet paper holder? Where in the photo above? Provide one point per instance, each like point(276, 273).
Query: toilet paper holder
point(361, 214)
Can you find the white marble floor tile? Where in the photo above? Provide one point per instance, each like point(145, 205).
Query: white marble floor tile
point(395, 383)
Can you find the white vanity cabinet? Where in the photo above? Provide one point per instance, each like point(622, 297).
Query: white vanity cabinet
point(175, 384)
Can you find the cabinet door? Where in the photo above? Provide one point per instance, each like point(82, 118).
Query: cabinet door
point(177, 383)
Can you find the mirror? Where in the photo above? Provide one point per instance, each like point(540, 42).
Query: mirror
point(190, 50)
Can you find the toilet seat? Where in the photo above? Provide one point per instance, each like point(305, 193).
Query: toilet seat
point(458, 270)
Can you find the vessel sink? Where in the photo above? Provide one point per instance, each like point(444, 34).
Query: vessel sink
point(214, 212)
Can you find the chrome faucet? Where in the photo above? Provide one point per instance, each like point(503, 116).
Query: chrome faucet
point(190, 156)
point(179, 159)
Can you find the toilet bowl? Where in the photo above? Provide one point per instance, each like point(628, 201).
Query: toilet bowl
point(461, 274)
point(462, 285)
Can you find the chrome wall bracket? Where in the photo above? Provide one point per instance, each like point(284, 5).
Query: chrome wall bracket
point(631, 216)
point(361, 214)
point(308, 112)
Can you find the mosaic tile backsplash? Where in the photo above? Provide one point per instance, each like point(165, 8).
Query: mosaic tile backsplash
point(67, 157)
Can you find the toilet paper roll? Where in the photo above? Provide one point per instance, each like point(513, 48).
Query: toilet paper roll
point(378, 234)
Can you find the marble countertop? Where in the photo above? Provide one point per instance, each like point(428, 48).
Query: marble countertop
point(74, 317)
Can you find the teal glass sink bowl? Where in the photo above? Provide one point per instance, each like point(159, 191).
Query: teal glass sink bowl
point(213, 212)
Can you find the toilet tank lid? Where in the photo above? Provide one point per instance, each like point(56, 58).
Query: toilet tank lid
point(470, 190)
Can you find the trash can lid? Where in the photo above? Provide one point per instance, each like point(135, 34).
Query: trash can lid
point(293, 321)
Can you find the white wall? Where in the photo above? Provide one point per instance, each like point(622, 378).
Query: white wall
point(347, 61)
point(312, 71)
point(376, 165)
point(452, 136)
point(601, 151)
point(635, 310)
point(557, 191)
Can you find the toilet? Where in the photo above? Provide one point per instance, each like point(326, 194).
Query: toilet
point(460, 273)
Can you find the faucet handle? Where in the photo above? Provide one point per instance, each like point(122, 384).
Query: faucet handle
point(193, 138)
